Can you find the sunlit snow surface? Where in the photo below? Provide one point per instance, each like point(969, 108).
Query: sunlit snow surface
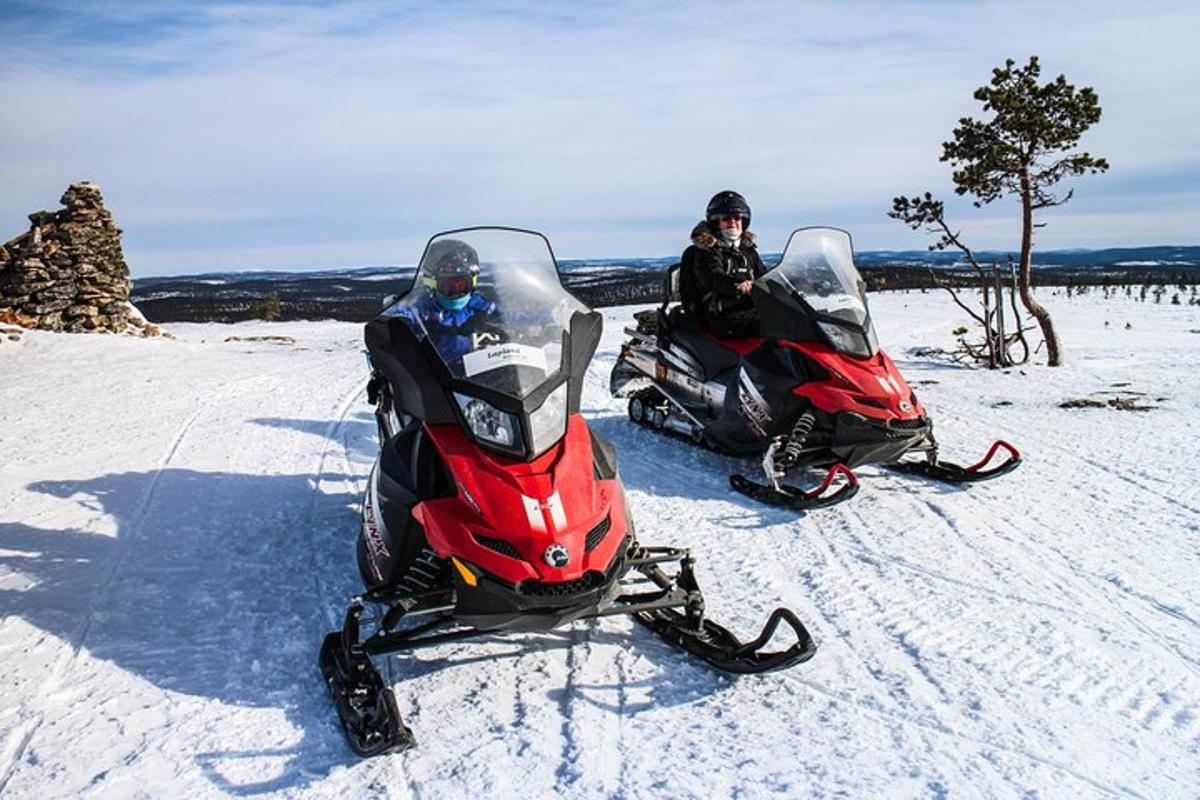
point(177, 521)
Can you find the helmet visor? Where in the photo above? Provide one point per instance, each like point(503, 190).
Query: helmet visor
point(453, 285)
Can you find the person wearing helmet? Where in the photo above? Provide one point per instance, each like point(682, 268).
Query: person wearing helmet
point(718, 269)
point(449, 306)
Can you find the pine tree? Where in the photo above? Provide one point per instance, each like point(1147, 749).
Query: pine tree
point(1024, 150)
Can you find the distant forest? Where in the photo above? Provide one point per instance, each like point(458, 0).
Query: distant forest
point(357, 294)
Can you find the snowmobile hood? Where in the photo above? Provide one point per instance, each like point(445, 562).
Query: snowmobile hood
point(871, 387)
point(550, 519)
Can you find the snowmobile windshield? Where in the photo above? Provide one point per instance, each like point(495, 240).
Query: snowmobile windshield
point(510, 329)
point(817, 267)
point(818, 264)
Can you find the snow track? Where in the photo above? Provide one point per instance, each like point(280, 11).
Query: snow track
point(172, 550)
point(12, 752)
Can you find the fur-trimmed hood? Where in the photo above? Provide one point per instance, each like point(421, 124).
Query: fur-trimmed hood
point(704, 238)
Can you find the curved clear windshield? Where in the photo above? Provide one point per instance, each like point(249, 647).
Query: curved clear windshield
point(818, 264)
point(490, 302)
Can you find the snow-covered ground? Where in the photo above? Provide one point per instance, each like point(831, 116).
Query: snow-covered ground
point(177, 522)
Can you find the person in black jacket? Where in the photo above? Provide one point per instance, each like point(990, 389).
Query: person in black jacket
point(717, 270)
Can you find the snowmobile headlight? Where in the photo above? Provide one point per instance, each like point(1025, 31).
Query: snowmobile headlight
point(548, 424)
point(488, 423)
point(845, 340)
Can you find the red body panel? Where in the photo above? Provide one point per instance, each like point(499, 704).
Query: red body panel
point(743, 347)
point(554, 499)
point(872, 387)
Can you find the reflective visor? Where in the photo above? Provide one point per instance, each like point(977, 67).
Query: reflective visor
point(453, 285)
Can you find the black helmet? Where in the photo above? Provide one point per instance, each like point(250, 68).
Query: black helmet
point(728, 204)
point(451, 268)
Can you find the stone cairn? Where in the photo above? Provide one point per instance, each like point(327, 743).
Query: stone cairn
point(67, 273)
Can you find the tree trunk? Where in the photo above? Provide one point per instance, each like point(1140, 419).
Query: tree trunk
point(1053, 348)
point(988, 335)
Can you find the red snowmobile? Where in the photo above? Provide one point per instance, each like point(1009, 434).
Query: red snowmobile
point(492, 506)
point(812, 389)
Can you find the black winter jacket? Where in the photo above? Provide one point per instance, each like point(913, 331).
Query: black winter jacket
point(710, 271)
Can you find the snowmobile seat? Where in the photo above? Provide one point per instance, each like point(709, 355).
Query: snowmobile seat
point(713, 356)
point(662, 321)
point(673, 291)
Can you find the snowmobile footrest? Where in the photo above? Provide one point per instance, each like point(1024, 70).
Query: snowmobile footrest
point(365, 705)
point(798, 499)
point(719, 648)
point(953, 473)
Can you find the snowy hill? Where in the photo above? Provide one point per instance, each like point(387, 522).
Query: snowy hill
point(177, 520)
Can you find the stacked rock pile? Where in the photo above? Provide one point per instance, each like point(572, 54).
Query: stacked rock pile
point(67, 273)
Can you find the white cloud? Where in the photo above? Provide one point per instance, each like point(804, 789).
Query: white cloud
point(366, 125)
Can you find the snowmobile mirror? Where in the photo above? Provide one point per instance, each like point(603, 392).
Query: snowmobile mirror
point(389, 299)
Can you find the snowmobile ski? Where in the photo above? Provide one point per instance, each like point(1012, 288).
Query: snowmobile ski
point(780, 494)
point(690, 630)
point(365, 705)
point(953, 473)
point(673, 610)
point(719, 648)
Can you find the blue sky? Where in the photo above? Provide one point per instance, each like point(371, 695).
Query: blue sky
point(306, 135)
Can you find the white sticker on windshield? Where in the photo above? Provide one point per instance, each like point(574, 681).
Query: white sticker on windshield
point(504, 355)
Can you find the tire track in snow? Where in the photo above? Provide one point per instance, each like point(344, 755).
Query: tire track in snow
point(569, 771)
point(1154, 700)
point(872, 600)
point(13, 753)
point(1145, 694)
point(1093, 465)
point(1065, 571)
point(1142, 690)
point(592, 729)
point(1067, 669)
point(1096, 587)
point(334, 436)
point(981, 745)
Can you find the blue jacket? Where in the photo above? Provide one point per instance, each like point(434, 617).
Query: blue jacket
point(449, 328)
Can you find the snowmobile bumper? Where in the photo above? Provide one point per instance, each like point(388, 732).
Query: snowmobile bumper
point(490, 604)
point(862, 440)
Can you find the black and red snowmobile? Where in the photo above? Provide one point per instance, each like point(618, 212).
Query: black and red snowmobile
point(492, 506)
point(811, 389)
